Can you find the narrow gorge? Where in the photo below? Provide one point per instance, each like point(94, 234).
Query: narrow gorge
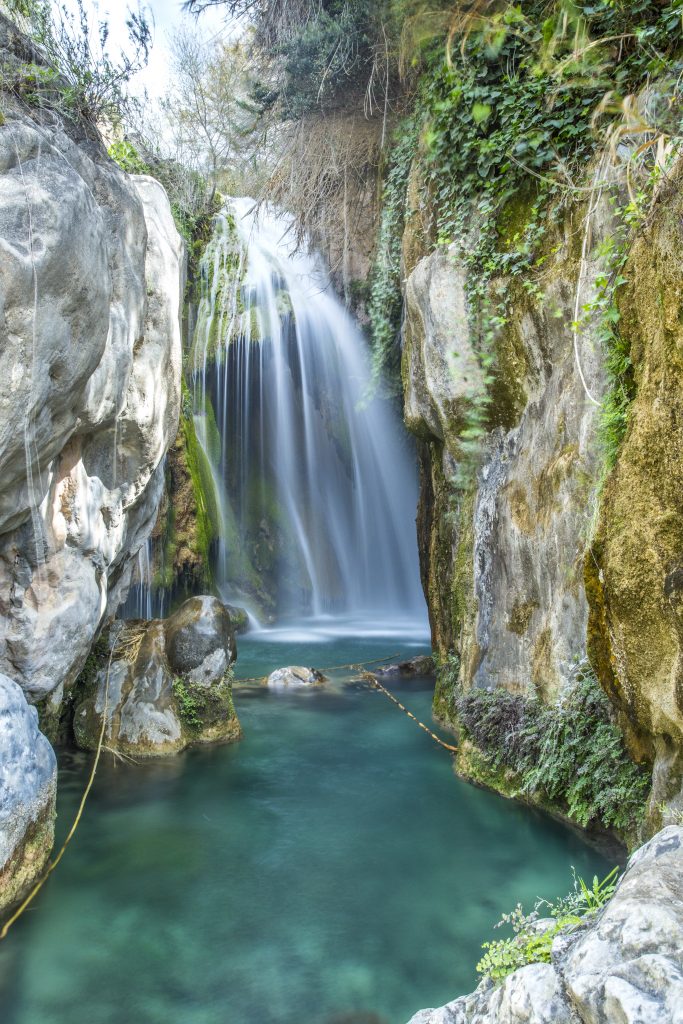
point(341, 512)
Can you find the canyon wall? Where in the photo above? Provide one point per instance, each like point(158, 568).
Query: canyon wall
point(536, 554)
point(90, 369)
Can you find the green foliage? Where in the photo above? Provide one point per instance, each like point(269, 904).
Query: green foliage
point(190, 703)
point(531, 943)
point(512, 113)
point(570, 753)
point(78, 78)
point(127, 157)
point(192, 203)
point(385, 305)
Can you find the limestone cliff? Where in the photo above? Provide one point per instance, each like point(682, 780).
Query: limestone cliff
point(538, 556)
point(89, 393)
point(90, 364)
point(502, 551)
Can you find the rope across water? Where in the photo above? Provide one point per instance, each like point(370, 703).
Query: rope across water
point(129, 645)
point(369, 677)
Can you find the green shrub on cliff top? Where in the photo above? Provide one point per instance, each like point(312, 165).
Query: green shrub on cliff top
point(569, 753)
point(525, 98)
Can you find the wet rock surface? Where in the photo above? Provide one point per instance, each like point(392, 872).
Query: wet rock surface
point(163, 685)
point(625, 966)
point(423, 665)
point(28, 783)
point(90, 364)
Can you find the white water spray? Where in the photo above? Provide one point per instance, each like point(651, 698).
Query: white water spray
point(314, 492)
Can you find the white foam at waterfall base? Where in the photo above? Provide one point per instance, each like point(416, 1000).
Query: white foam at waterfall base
point(315, 486)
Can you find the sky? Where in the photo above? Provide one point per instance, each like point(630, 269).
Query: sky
point(168, 16)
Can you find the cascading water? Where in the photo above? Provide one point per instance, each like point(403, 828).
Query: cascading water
point(314, 490)
point(143, 601)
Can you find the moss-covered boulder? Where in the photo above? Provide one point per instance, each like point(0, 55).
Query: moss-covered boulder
point(164, 685)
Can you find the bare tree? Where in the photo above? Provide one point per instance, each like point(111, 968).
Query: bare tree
point(208, 110)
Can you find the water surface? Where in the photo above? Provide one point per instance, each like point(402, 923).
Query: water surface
point(327, 869)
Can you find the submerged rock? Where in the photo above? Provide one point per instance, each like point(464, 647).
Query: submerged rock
point(28, 783)
point(626, 965)
point(423, 665)
point(168, 681)
point(295, 678)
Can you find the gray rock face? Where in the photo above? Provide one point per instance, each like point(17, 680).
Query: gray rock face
point(200, 639)
point(295, 677)
point(629, 966)
point(28, 781)
point(167, 686)
point(441, 370)
point(625, 967)
point(504, 572)
point(90, 360)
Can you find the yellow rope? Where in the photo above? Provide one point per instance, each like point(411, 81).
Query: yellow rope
point(360, 665)
point(437, 739)
point(53, 864)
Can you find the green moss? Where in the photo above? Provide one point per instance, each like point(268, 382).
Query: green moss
point(447, 675)
point(207, 524)
point(568, 757)
point(207, 712)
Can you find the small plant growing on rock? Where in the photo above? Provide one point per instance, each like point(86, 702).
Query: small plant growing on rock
point(533, 935)
point(189, 704)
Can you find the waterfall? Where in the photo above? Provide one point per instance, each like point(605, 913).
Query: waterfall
point(142, 602)
point(314, 489)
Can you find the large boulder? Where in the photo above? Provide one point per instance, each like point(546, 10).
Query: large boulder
point(90, 365)
point(628, 966)
point(163, 685)
point(28, 782)
point(625, 965)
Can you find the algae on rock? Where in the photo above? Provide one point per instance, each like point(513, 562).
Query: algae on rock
point(165, 684)
point(634, 567)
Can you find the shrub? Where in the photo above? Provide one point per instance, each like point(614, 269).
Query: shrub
point(532, 943)
point(570, 753)
point(78, 77)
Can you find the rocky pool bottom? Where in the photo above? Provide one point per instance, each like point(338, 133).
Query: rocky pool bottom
point(327, 869)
